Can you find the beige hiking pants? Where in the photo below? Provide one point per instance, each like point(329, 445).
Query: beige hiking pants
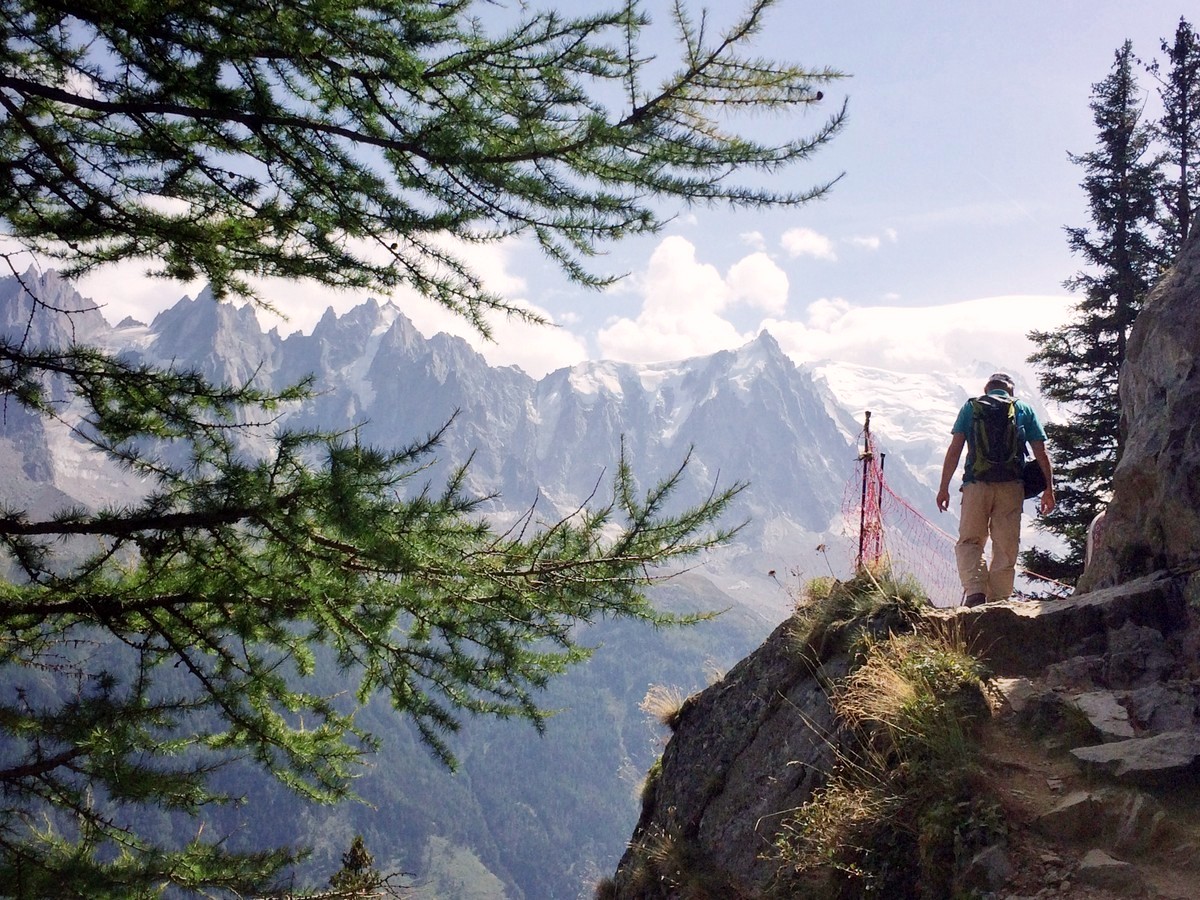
point(989, 510)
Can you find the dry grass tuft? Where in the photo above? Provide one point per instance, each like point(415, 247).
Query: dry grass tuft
point(663, 703)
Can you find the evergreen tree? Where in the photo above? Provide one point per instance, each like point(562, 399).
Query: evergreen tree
point(357, 874)
point(1079, 365)
point(340, 143)
point(1179, 131)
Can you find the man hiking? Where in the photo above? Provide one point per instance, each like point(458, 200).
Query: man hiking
point(994, 428)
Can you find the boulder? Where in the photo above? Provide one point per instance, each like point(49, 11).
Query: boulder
point(1104, 710)
point(1099, 869)
point(1164, 707)
point(1119, 819)
point(1016, 638)
point(989, 870)
point(1016, 692)
point(1137, 656)
point(1136, 820)
point(1076, 818)
point(1160, 759)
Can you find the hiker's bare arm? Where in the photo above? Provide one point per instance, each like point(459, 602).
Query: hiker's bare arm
point(953, 452)
point(1043, 458)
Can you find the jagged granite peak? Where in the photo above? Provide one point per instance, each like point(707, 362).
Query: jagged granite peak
point(763, 354)
point(344, 344)
point(420, 384)
point(63, 316)
point(369, 317)
point(744, 415)
point(223, 341)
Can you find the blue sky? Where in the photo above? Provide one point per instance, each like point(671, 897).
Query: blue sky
point(942, 243)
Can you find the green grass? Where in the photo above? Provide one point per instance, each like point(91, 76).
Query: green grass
point(832, 615)
point(902, 811)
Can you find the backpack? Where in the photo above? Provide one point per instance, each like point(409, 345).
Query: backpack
point(999, 450)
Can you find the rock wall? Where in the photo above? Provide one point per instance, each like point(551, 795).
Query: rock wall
point(1153, 521)
point(746, 752)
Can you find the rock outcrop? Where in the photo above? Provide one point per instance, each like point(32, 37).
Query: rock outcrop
point(1112, 676)
point(1153, 521)
point(745, 752)
point(1017, 638)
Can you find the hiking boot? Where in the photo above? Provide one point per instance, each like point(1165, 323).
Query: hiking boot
point(975, 599)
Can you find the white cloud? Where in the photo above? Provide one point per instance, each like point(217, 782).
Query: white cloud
point(676, 282)
point(753, 239)
point(687, 310)
point(806, 242)
point(922, 339)
point(871, 242)
point(824, 313)
point(685, 305)
point(682, 304)
point(756, 281)
point(874, 241)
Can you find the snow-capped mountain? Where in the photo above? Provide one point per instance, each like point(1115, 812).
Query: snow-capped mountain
point(746, 415)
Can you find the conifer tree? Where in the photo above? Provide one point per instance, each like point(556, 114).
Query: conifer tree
point(357, 874)
point(340, 143)
point(1079, 365)
point(1178, 130)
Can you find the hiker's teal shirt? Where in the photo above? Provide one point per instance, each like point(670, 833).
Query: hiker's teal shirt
point(1028, 429)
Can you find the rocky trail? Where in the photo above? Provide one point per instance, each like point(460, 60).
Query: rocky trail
point(1095, 758)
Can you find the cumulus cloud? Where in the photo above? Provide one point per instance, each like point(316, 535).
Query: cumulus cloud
point(756, 281)
point(687, 310)
point(806, 242)
point(686, 305)
point(874, 241)
point(921, 339)
point(753, 239)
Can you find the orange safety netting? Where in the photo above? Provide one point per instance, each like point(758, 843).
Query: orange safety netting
point(891, 534)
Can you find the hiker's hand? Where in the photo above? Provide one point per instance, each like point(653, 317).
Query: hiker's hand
point(1047, 502)
point(943, 499)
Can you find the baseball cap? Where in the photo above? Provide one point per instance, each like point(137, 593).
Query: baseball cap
point(1001, 379)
